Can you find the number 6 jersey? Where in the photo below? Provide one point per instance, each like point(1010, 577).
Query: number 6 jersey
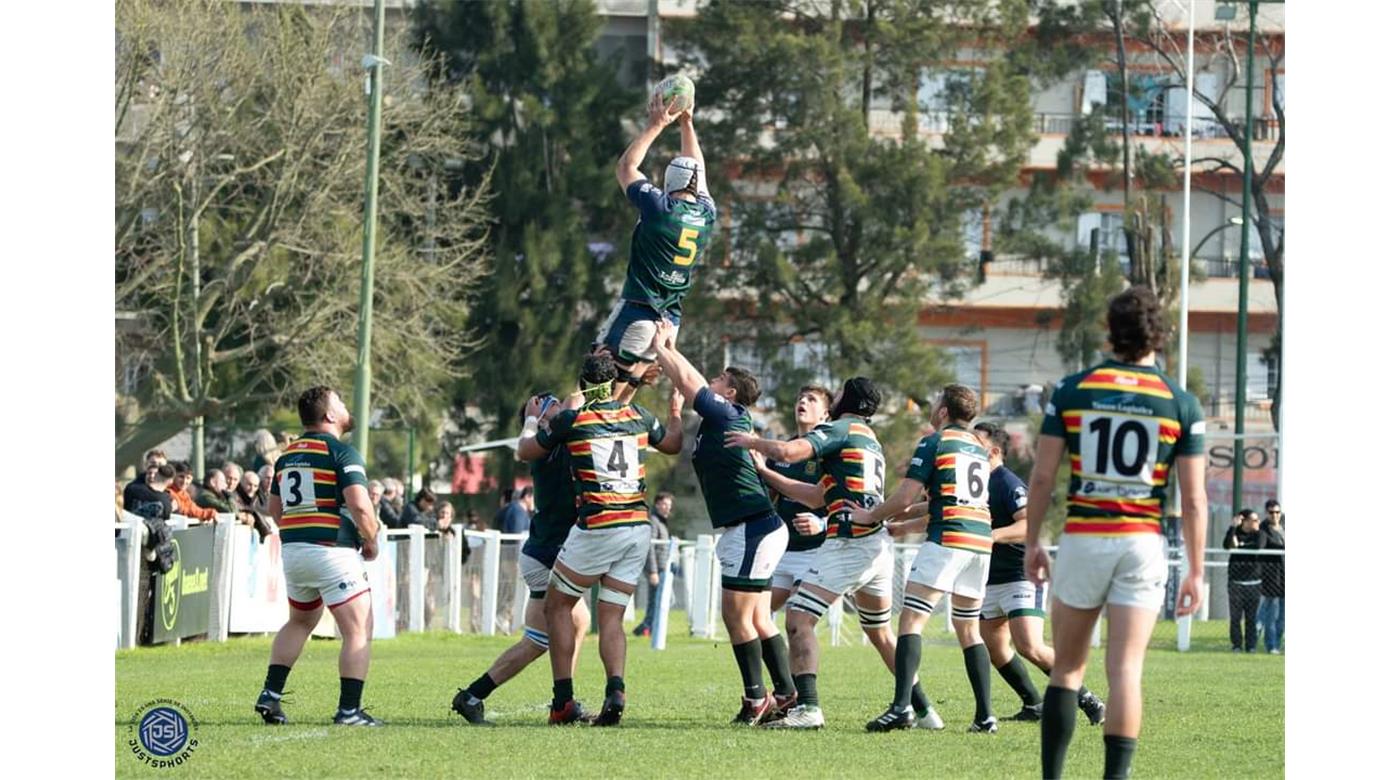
point(1124, 425)
point(607, 443)
point(310, 478)
point(952, 465)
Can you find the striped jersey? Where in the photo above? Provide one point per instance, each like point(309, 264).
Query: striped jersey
point(810, 472)
point(952, 465)
point(1124, 425)
point(607, 444)
point(853, 473)
point(310, 479)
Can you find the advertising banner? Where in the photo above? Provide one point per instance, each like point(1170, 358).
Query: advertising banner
point(182, 594)
point(258, 598)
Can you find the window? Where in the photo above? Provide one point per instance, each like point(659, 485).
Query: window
point(966, 362)
point(972, 233)
point(1148, 96)
point(1111, 237)
point(941, 94)
point(1095, 91)
point(1260, 375)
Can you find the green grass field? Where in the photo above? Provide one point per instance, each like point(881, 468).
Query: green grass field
point(1209, 713)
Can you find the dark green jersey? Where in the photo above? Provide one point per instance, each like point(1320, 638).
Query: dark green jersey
point(728, 478)
point(607, 444)
point(310, 478)
point(853, 473)
point(1124, 425)
point(952, 465)
point(667, 243)
point(810, 472)
point(554, 501)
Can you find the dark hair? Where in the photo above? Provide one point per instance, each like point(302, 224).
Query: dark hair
point(154, 453)
point(209, 478)
point(960, 401)
point(166, 472)
point(664, 494)
point(597, 370)
point(181, 467)
point(520, 416)
point(507, 494)
point(817, 390)
point(1135, 325)
point(425, 494)
point(1246, 513)
point(859, 396)
point(313, 404)
point(745, 385)
point(1271, 504)
point(528, 492)
point(996, 434)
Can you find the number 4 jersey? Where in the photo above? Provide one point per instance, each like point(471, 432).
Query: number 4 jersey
point(310, 479)
point(607, 443)
point(1124, 425)
point(952, 465)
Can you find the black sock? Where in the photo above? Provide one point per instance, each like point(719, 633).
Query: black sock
point(1056, 730)
point(482, 686)
point(1118, 755)
point(908, 652)
point(276, 677)
point(979, 673)
point(806, 685)
point(919, 699)
point(775, 657)
point(1015, 674)
point(749, 655)
point(614, 684)
point(1084, 691)
point(350, 690)
point(563, 692)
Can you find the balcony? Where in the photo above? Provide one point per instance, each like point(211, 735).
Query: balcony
point(1266, 128)
point(1228, 267)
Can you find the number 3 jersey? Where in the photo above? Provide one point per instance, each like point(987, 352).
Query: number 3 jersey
point(607, 443)
point(853, 473)
point(310, 479)
point(1124, 425)
point(952, 465)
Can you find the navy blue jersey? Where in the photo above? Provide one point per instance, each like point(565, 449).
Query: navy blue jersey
point(728, 478)
point(1007, 497)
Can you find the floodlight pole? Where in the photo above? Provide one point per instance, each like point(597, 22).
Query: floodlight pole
point(1186, 194)
point(1242, 315)
point(375, 80)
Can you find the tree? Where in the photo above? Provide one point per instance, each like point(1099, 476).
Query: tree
point(846, 215)
point(549, 110)
point(239, 177)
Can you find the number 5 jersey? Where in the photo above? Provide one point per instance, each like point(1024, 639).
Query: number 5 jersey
point(607, 443)
point(1124, 425)
point(952, 465)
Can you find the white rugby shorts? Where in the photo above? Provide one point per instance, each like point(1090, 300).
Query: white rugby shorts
point(619, 553)
point(318, 575)
point(961, 572)
point(1013, 599)
point(864, 565)
point(1128, 570)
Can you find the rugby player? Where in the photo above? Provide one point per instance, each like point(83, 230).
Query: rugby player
point(607, 443)
point(673, 229)
point(853, 558)
point(320, 502)
point(754, 536)
point(806, 525)
point(1013, 611)
point(952, 466)
point(554, 516)
point(1126, 424)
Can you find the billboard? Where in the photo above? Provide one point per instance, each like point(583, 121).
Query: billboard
point(181, 595)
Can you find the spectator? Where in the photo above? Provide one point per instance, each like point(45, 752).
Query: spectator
point(512, 517)
point(266, 449)
point(656, 558)
point(214, 495)
point(1271, 572)
point(384, 506)
point(265, 484)
point(154, 460)
point(420, 512)
point(149, 497)
point(119, 500)
point(398, 496)
point(246, 496)
point(183, 503)
point(446, 515)
point(234, 473)
point(1244, 581)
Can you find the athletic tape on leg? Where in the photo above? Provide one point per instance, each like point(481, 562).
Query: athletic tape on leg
point(967, 613)
point(537, 637)
point(913, 603)
point(802, 601)
point(610, 596)
point(563, 585)
point(873, 618)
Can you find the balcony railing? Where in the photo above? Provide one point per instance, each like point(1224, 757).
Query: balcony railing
point(1265, 128)
point(1229, 268)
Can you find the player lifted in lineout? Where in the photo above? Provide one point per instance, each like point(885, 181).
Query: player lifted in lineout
point(673, 229)
point(554, 516)
point(754, 536)
point(1013, 611)
point(320, 502)
point(1126, 425)
point(853, 558)
point(607, 442)
point(951, 465)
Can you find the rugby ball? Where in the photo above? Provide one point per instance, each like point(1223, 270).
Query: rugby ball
point(677, 85)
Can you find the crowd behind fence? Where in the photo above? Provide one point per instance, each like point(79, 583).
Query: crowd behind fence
point(226, 580)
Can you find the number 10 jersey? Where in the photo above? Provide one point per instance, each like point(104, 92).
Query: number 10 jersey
point(1124, 425)
point(607, 444)
point(952, 465)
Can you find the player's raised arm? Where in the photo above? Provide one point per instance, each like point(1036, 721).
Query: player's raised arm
point(690, 147)
point(675, 432)
point(629, 165)
point(786, 451)
point(897, 505)
point(674, 365)
point(808, 494)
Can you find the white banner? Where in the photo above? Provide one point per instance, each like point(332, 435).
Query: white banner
point(258, 602)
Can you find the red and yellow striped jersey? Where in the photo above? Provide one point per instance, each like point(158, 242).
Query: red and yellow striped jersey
point(952, 465)
point(607, 444)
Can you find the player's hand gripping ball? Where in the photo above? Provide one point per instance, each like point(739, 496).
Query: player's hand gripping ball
point(677, 86)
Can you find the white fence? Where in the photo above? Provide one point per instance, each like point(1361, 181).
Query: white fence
point(468, 582)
